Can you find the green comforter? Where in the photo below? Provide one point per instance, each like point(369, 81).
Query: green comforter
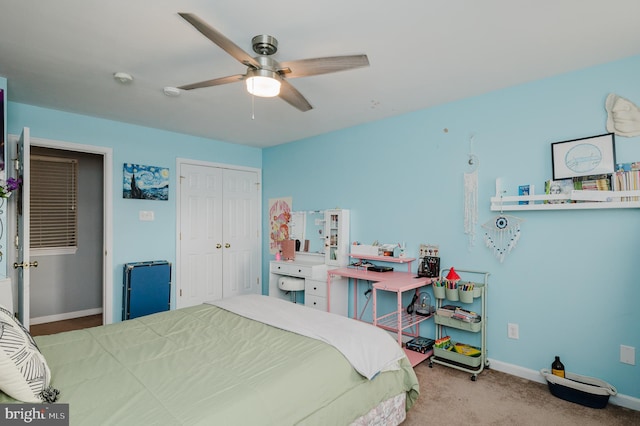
point(206, 366)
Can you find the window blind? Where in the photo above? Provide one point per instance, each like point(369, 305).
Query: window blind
point(54, 195)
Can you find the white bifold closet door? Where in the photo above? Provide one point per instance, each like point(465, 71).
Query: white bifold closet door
point(219, 234)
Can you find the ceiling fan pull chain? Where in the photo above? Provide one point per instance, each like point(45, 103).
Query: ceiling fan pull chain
point(253, 109)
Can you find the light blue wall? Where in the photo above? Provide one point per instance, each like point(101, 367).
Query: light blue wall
point(133, 240)
point(571, 283)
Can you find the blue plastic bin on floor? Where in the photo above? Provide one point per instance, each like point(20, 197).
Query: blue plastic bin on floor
point(579, 389)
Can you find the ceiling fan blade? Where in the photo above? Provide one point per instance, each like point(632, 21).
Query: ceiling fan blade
point(214, 82)
point(218, 38)
point(316, 66)
point(293, 97)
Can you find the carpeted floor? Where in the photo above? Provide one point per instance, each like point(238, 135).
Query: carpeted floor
point(449, 397)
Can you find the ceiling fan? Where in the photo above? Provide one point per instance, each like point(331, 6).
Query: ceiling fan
point(265, 76)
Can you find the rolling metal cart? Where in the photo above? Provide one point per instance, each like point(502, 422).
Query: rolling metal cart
point(450, 358)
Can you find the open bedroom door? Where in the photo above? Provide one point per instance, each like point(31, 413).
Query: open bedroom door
point(22, 262)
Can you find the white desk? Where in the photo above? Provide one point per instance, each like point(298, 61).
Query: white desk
point(313, 270)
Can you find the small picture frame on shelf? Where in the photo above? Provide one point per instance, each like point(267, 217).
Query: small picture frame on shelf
point(583, 157)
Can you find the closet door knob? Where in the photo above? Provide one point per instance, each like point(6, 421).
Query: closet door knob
point(227, 245)
point(218, 246)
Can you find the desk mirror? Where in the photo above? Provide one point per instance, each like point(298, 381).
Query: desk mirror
point(308, 226)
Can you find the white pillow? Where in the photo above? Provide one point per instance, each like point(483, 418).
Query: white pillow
point(24, 374)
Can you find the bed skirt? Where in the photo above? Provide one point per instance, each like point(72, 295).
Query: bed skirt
point(391, 412)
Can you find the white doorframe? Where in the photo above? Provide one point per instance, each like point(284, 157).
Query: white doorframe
point(107, 237)
point(179, 163)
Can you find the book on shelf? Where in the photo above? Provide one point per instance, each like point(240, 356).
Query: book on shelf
point(558, 187)
point(592, 183)
point(627, 178)
point(627, 167)
point(602, 182)
point(526, 190)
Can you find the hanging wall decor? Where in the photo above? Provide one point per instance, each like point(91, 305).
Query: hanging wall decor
point(623, 116)
point(279, 218)
point(471, 195)
point(502, 234)
point(145, 182)
point(471, 205)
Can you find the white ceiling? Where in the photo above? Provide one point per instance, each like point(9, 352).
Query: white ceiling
point(62, 55)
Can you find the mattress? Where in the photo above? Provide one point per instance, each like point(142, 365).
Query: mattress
point(204, 365)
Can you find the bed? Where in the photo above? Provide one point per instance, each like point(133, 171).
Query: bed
point(207, 365)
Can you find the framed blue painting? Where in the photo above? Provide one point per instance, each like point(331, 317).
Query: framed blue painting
point(145, 182)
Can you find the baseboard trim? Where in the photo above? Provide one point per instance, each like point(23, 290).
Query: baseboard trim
point(533, 375)
point(65, 316)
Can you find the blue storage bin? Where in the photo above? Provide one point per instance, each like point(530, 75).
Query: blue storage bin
point(582, 390)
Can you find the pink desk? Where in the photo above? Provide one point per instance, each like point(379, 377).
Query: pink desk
point(394, 281)
point(399, 320)
point(375, 277)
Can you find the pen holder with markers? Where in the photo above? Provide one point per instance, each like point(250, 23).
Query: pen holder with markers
point(465, 292)
point(451, 290)
point(438, 289)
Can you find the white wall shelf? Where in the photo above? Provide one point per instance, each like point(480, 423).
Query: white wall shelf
point(576, 200)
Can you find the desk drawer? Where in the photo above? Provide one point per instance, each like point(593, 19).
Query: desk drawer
point(291, 269)
point(315, 302)
point(315, 288)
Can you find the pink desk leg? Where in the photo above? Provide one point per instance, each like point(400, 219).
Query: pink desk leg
point(355, 297)
point(375, 310)
point(399, 294)
point(328, 292)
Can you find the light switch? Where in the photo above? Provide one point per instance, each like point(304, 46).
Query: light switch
point(146, 215)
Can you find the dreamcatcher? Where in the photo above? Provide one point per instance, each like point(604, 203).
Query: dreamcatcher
point(502, 234)
point(471, 195)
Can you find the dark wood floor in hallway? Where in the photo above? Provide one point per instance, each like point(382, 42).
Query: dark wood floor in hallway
point(66, 325)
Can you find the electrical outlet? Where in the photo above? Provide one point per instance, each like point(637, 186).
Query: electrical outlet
point(627, 355)
point(512, 331)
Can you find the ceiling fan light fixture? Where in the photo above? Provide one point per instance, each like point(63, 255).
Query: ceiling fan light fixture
point(263, 83)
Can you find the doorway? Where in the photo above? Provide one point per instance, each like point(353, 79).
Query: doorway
point(65, 271)
point(68, 303)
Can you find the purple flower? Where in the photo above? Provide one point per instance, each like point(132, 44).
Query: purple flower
point(13, 184)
